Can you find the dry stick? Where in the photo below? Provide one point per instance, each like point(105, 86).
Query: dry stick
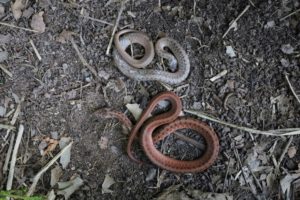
point(255, 179)
point(45, 168)
point(189, 140)
point(15, 116)
point(98, 20)
point(13, 26)
point(14, 158)
point(8, 127)
point(6, 71)
point(8, 154)
point(291, 87)
point(241, 166)
point(82, 59)
point(284, 151)
point(35, 50)
point(226, 174)
point(116, 26)
point(290, 15)
point(236, 19)
point(279, 132)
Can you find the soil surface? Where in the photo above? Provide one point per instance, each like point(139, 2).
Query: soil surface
point(61, 94)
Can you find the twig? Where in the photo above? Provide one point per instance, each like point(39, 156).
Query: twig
point(8, 154)
point(226, 174)
point(82, 59)
point(13, 26)
point(6, 71)
point(189, 140)
point(45, 168)
point(15, 116)
point(8, 127)
point(279, 132)
point(255, 179)
point(218, 76)
point(291, 87)
point(35, 50)
point(98, 20)
point(232, 24)
point(116, 26)
point(14, 158)
point(284, 151)
point(241, 166)
point(283, 18)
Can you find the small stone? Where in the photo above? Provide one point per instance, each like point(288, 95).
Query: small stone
point(114, 150)
point(292, 152)
point(287, 49)
point(54, 135)
point(270, 24)
point(28, 12)
point(284, 62)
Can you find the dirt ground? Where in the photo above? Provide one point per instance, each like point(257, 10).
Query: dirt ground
point(61, 94)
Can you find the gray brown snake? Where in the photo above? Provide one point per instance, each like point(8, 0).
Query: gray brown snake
point(135, 68)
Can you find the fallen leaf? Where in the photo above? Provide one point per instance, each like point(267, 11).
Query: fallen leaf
point(64, 36)
point(103, 143)
point(37, 22)
point(285, 184)
point(292, 152)
point(66, 156)
point(69, 187)
point(135, 110)
point(17, 8)
point(108, 181)
point(56, 173)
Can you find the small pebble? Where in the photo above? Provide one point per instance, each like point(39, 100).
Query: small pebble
point(287, 49)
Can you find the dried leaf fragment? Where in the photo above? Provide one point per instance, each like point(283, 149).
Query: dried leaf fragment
point(17, 8)
point(69, 187)
point(66, 156)
point(64, 36)
point(37, 22)
point(108, 181)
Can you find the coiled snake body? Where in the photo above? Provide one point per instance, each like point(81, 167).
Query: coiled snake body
point(135, 68)
point(170, 122)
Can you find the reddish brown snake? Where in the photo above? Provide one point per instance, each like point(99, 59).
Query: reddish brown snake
point(145, 127)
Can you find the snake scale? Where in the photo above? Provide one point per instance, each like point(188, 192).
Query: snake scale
point(135, 68)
